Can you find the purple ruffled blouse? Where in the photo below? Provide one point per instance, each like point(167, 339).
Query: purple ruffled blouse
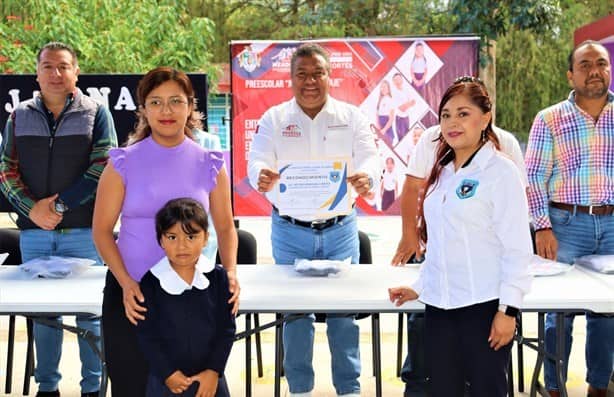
point(152, 175)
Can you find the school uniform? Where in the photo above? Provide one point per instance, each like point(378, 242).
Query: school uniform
point(187, 327)
point(477, 256)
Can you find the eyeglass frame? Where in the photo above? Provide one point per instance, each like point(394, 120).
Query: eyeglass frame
point(174, 107)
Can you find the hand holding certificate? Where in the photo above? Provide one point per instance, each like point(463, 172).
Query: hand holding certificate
point(313, 189)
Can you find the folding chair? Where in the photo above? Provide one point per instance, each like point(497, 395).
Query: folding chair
point(247, 254)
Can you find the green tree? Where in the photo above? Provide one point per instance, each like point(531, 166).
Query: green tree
point(110, 36)
point(531, 66)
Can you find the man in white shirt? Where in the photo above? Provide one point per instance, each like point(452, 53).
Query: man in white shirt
point(402, 102)
point(418, 169)
point(313, 126)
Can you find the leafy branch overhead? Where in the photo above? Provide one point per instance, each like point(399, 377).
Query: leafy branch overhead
point(116, 36)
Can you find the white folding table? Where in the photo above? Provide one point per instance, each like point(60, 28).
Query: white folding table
point(364, 288)
point(279, 289)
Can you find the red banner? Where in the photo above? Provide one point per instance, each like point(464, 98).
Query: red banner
point(369, 73)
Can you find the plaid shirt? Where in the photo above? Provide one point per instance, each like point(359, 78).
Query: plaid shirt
point(570, 158)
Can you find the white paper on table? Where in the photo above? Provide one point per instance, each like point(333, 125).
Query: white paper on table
point(313, 189)
point(56, 266)
point(321, 267)
point(546, 267)
point(599, 263)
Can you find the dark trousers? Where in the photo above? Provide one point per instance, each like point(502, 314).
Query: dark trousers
point(126, 365)
point(413, 372)
point(157, 388)
point(402, 124)
point(457, 350)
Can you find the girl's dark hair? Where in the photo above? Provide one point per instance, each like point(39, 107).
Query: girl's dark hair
point(189, 212)
point(475, 90)
point(153, 79)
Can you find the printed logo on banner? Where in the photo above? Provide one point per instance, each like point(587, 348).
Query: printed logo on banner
point(249, 59)
point(341, 60)
point(281, 61)
point(292, 131)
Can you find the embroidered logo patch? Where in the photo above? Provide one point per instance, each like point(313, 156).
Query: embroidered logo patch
point(291, 131)
point(467, 188)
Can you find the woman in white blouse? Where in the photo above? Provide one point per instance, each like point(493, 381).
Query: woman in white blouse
point(477, 253)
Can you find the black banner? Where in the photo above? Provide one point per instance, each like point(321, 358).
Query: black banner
point(116, 91)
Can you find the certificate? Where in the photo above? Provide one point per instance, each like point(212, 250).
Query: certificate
point(313, 189)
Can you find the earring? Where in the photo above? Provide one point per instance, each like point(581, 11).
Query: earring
point(483, 135)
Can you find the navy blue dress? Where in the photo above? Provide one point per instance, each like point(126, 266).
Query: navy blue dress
point(190, 332)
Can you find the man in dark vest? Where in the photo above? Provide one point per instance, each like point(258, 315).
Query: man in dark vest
point(54, 149)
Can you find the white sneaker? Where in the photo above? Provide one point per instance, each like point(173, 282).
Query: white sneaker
point(308, 394)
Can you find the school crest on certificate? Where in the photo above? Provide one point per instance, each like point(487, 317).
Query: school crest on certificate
point(313, 189)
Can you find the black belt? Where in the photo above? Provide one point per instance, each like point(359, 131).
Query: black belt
point(587, 209)
point(316, 225)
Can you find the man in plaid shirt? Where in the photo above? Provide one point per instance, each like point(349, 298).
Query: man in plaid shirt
point(570, 166)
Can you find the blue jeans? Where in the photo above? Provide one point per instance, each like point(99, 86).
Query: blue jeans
point(338, 241)
point(582, 234)
point(77, 243)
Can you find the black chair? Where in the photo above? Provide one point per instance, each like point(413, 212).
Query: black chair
point(247, 254)
point(9, 243)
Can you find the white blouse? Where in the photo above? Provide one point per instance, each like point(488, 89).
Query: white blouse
point(479, 245)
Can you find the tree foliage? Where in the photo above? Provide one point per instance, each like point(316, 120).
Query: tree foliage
point(533, 37)
point(109, 36)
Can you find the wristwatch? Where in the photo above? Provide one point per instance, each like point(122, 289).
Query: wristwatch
point(60, 207)
point(509, 310)
point(371, 183)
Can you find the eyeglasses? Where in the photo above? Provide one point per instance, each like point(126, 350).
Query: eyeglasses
point(318, 75)
point(175, 104)
point(468, 79)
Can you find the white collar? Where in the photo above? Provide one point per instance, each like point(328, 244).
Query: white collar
point(175, 285)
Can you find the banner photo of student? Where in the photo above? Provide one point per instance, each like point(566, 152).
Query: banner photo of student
point(396, 82)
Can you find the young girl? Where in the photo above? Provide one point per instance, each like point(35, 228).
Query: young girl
point(389, 186)
point(418, 68)
point(477, 253)
point(385, 112)
point(189, 328)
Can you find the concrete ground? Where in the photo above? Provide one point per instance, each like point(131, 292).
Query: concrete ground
point(384, 233)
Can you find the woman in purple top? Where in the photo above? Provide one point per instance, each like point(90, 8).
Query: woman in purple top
point(160, 163)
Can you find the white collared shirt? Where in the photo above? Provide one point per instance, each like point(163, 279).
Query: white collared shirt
point(172, 283)
point(285, 132)
point(479, 245)
point(422, 159)
point(401, 97)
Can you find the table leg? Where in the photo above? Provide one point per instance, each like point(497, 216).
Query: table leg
point(400, 344)
point(9, 356)
point(560, 353)
point(278, 355)
point(248, 355)
point(520, 353)
point(541, 345)
point(377, 360)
